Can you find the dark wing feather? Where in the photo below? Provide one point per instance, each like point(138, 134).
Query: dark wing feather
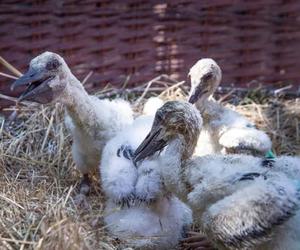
point(248, 217)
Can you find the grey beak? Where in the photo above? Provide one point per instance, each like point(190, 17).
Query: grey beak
point(200, 90)
point(151, 144)
point(37, 88)
point(29, 77)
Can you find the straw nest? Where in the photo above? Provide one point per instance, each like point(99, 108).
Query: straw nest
point(38, 180)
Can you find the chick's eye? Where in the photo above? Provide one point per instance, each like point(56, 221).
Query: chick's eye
point(54, 64)
point(207, 76)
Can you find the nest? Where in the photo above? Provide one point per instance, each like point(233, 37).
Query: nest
point(38, 179)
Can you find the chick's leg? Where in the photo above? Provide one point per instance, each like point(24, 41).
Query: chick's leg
point(85, 166)
point(196, 241)
point(84, 190)
point(85, 185)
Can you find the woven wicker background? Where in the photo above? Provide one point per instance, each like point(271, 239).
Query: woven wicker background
point(251, 40)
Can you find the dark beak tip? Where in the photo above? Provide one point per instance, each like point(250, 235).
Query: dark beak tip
point(192, 99)
point(17, 83)
point(135, 160)
point(13, 86)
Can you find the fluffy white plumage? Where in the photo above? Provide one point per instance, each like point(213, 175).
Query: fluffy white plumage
point(108, 118)
point(139, 210)
point(224, 130)
point(239, 201)
point(152, 105)
point(92, 122)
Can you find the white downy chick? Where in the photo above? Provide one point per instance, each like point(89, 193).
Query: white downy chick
point(139, 211)
point(239, 201)
point(224, 130)
point(91, 121)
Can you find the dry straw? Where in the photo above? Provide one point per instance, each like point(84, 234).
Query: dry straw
point(38, 180)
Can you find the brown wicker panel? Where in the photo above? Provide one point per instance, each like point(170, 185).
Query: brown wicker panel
point(251, 40)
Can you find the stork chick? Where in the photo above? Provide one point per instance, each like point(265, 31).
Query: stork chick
point(237, 201)
point(92, 122)
point(138, 210)
point(224, 130)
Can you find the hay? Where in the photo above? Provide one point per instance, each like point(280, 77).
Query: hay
point(38, 180)
point(38, 183)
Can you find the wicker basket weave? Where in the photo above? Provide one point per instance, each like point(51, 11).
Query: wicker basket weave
point(251, 40)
